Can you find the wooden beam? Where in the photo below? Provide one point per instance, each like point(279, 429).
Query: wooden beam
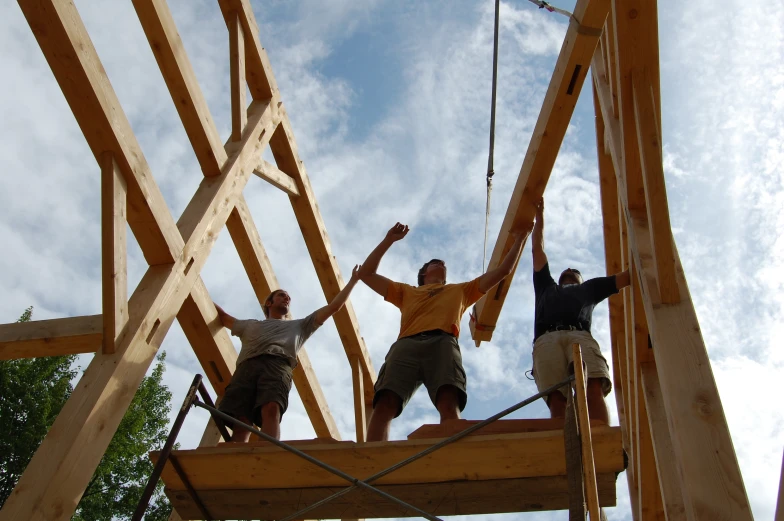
point(274, 176)
point(209, 339)
point(451, 427)
point(666, 464)
point(55, 337)
point(531, 454)
point(440, 499)
point(652, 168)
point(239, 105)
point(70, 53)
point(260, 78)
point(586, 445)
point(780, 503)
point(85, 426)
point(317, 241)
point(263, 280)
point(114, 254)
point(608, 188)
point(557, 109)
point(169, 51)
point(361, 415)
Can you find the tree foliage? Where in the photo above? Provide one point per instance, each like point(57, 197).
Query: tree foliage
point(32, 393)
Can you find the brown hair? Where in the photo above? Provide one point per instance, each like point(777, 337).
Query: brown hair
point(268, 302)
point(423, 269)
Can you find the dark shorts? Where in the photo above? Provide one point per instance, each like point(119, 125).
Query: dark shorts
point(257, 381)
point(432, 358)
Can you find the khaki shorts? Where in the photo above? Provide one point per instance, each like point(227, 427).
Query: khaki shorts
point(553, 354)
point(432, 358)
point(256, 382)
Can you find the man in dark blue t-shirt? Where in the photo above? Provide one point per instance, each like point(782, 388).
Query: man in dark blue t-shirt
point(563, 317)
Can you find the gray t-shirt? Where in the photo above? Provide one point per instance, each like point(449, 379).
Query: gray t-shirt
point(273, 337)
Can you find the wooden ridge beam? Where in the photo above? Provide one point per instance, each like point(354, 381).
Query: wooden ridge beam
point(530, 454)
point(55, 337)
point(114, 254)
point(70, 53)
point(440, 499)
point(169, 52)
point(557, 109)
point(276, 177)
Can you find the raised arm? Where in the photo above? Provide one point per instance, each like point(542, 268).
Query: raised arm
point(368, 273)
point(340, 299)
point(226, 319)
point(537, 244)
point(493, 277)
point(622, 280)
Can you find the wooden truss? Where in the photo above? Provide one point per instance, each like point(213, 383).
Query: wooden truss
point(127, 335)
point(682, 461)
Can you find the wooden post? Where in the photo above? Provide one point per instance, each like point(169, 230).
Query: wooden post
point(589, 470)
point(114, 194)
point(360, 416)
point(239, 105)
point(780, 504)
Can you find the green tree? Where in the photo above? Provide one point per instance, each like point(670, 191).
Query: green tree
point(32, 393)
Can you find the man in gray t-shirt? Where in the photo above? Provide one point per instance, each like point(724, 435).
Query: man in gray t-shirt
point(259, 388)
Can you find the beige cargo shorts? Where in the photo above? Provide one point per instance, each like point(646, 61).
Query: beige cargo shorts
point(553, 354)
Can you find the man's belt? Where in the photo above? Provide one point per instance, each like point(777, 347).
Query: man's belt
point(563, 327)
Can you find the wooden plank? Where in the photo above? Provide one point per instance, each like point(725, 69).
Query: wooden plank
point(666, 464)
point(274, 176)
point(589, 469)
point(263, 280)
point(114, 194)
point(533, 454)
point(169, 51)
point(209, 339)
point(70, 53)
point(608, 188)
point(261, 80)
point(361, 415)
point(557, 109)
point(652, 168)
point(55, 337)
point(780, 503)
point(440, 499)
point(451, 427)
point(316, 238)
point(239, 105)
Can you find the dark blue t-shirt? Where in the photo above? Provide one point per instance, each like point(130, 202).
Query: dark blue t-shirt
point(570, 305)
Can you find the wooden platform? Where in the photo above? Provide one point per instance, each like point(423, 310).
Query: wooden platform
point(486, 473)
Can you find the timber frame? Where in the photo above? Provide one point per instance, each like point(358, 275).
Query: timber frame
point(126, 337)
point(682, 463)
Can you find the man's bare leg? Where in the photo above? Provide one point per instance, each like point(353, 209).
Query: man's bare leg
point(448, 402)
point(385, 410)
point(557, 404)
point(270, 419)
point(239, 434)
point(597, 407)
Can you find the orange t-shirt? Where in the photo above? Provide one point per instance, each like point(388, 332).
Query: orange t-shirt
point(432, 306)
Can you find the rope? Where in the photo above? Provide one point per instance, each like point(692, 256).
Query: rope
point(490, 171)
point(544, 5)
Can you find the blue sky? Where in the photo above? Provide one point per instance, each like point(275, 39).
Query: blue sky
point(389, 102)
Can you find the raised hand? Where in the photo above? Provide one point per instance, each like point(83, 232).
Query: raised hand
point(397, 232)
point(356, 273)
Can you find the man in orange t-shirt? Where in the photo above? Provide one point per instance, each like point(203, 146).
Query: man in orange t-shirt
point(426, 350)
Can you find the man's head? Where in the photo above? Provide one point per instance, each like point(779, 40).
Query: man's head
point(277, 304)
point(433, 272)
point(570, 276)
